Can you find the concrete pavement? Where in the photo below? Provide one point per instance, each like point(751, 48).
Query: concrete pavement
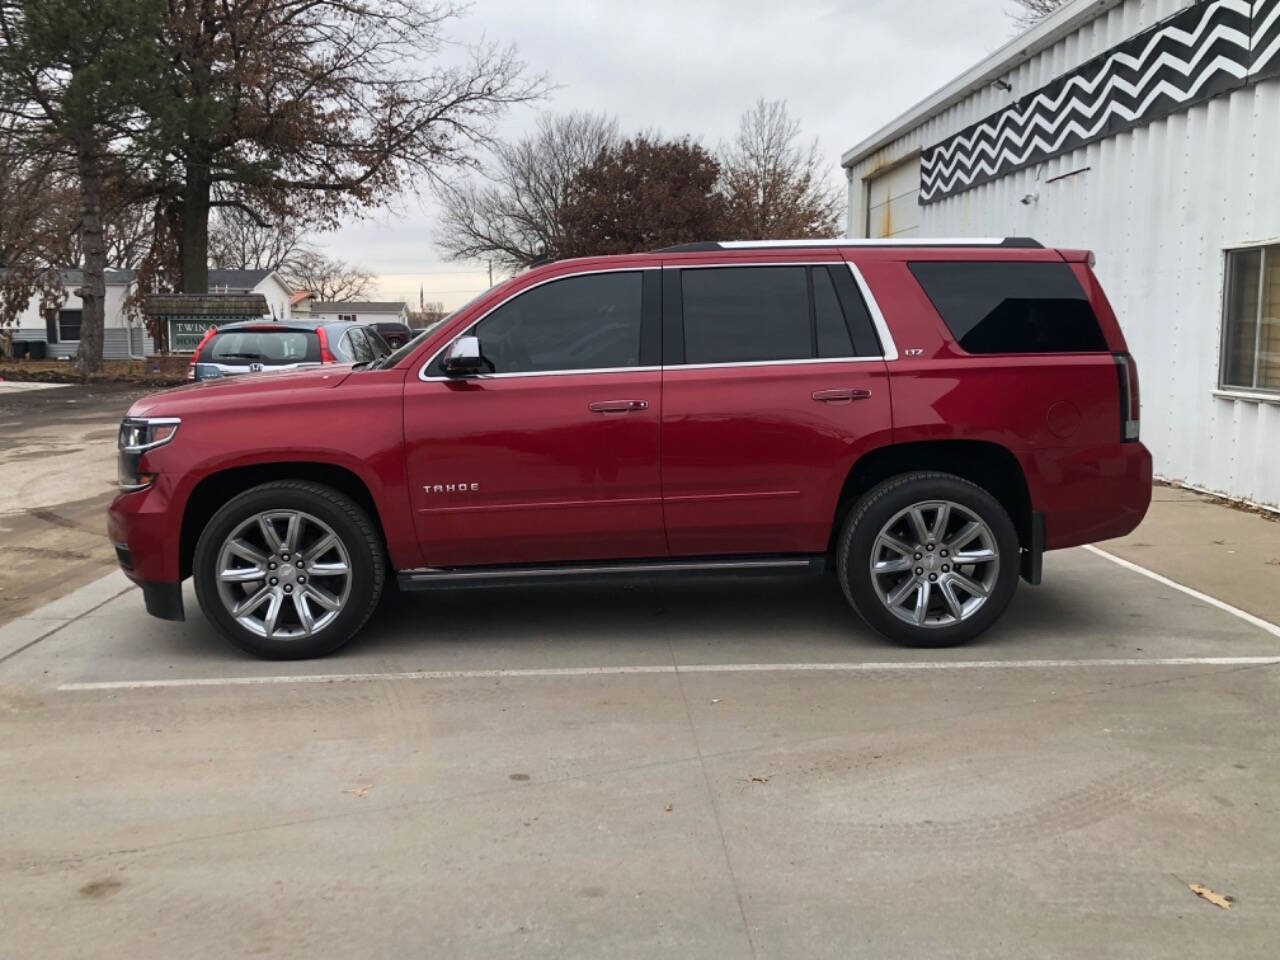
point(780, 783)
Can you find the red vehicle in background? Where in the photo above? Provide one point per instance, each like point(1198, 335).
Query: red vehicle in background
point(924, 419)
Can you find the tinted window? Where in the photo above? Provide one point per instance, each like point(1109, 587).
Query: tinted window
point(579, 323)
point(743, 314)
point(1012, 307)
point(244, 347)
point(828, 318)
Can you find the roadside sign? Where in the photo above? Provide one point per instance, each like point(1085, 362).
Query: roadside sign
point(185, 335)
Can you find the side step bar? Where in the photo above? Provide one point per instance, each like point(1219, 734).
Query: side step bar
point(434, 578)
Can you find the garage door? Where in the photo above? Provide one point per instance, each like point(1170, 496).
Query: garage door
point(893, 208)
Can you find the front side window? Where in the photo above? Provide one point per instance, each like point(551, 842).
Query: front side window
point(1011, 306)
point(763, 314)
point(1251, 320)
point(590, 322)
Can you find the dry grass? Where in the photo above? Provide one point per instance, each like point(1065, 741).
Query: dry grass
point(154, 371)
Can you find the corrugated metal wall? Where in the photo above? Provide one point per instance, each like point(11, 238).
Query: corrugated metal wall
point(1158, 205)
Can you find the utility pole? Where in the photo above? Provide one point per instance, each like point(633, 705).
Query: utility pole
point(490, 273)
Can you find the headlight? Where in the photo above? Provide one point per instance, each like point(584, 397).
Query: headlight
point(137, 436)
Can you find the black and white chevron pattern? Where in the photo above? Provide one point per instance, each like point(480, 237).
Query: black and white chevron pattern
point(1203, 51)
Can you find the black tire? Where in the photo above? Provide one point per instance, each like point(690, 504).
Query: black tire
point(349, 522)
point(877, 508)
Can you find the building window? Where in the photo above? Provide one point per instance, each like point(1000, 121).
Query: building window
point(69, 325)
point(346, 318)
point(1251, 320)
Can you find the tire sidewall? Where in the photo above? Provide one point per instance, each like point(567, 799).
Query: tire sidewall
point(883, 503)
point(334, 510)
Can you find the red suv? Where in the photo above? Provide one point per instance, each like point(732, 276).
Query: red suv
point(925, 418)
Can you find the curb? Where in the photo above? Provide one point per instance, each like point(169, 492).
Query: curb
point(28, 630)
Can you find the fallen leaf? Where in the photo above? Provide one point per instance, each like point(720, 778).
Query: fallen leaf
point(360, 791)
point(717, 699)
point(1274, 562)
point(667, 808)
point(1219, 542)
point(758, 780)
point(1204, 893)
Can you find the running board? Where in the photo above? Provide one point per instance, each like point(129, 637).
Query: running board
point(433, 578)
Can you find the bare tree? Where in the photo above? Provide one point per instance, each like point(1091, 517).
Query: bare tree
point(775, 187)
point(327, 279)
point(238, 242)
point(432, 311)
point(1027, 13)
point(514, 217)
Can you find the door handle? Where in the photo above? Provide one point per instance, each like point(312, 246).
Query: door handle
point(846, 395)
point(618, 406)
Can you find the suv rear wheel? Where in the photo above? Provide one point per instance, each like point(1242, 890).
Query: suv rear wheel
point(289, 570)
point(928, 559)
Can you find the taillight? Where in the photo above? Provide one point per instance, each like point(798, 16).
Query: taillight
point(325, 355)
point(1130, 411)
point(195, 357)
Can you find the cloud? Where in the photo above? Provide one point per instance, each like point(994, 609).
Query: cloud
point(684, 67)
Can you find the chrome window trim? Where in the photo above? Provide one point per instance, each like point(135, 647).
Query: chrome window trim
point(771, 363)
point(842, 242)
point(888, 347)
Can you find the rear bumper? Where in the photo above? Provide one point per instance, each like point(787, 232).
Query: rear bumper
point(1090, 494)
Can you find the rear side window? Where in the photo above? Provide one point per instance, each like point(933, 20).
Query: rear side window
point(237, 347)
point(760, 314)
point(1011, 307)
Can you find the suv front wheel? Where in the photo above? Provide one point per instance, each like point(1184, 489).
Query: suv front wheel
point(928, 559)
point(289, 570)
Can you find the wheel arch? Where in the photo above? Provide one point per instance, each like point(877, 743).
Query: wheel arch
point(990, 465)
point(217, 488)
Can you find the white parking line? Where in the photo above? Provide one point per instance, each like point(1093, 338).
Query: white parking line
point(872, 667)
point(1244, 615)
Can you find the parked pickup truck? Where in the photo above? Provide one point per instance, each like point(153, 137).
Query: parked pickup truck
point(921, 418)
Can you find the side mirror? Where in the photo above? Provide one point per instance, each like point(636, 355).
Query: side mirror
point(463, 358)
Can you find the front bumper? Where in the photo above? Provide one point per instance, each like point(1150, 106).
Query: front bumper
point(147, 538)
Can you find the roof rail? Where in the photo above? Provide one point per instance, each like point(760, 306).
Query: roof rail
point(704, 246)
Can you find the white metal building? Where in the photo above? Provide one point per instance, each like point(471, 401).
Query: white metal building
point(1149, 132)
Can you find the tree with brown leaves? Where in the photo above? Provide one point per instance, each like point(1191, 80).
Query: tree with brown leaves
point(71, 72)
point(646, 194)
point(311, 110)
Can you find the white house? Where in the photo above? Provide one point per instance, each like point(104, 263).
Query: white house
point(60, 331)
point(355, 311)
point(1147, 131)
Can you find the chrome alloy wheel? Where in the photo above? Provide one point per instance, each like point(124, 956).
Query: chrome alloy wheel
point(283, 574)
point(935, 563)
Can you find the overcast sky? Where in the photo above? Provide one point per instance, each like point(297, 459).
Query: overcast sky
point(845, 68)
